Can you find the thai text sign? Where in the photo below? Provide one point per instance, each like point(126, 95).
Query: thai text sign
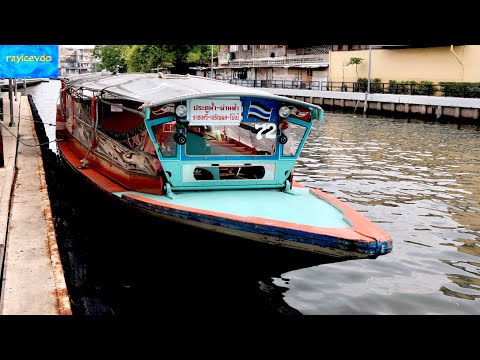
point(214, 112)
point(28, 61)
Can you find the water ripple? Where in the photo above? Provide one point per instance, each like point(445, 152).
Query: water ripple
point(418, 181)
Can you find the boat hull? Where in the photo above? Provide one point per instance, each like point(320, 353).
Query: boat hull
point(350, 236)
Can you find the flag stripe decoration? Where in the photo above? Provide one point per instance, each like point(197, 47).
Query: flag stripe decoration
point(299, 113)
point(258, 109)
point(162, 111)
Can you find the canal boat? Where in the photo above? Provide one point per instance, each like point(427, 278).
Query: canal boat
point(207, 154)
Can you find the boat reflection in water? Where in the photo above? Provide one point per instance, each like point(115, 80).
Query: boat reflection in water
point(119, 262)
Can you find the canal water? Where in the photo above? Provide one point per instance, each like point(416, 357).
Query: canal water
point(418, 180)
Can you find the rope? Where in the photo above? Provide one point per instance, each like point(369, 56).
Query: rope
point(21, 142)
point(28, 118)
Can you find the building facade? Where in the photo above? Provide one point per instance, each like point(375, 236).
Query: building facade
point(76, 61)
point(272, 62)
point(448, 63)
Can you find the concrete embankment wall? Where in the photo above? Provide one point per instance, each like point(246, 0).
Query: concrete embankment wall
point(434, 107)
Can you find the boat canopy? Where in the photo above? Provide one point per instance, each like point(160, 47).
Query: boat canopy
point(153, 89)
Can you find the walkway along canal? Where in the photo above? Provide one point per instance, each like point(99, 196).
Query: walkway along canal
point(33, 282)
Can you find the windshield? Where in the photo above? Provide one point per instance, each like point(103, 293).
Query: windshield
point(247, 139)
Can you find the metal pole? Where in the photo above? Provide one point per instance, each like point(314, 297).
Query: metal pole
point(368, 84)
point(211, 68)
point(15, 88)
point(2, 162)
point(24, 86)
point(10, 97)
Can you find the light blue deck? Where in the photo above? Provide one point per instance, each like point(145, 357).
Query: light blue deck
point(302, 208)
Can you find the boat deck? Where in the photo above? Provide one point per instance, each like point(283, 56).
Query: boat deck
point(302, 207)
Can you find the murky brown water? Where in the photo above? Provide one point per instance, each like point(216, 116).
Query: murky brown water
point(418, 180)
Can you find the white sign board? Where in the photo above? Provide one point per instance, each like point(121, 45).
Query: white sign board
point(114, 108)
point(214, 112)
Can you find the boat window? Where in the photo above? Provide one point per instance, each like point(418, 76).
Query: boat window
point(294, 135)
point(248, 139)
point(82, 110)
point(164, 136)
point(114, 118)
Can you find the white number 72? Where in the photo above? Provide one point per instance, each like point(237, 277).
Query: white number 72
point(264, 127)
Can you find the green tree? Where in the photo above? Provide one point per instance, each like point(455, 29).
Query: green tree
point(144, 58)
point(355, 61)
point(112, 57)
point(178, 58)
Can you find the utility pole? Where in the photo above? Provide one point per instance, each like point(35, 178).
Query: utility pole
point(365, 106)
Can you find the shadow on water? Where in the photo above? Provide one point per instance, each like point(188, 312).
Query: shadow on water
point(118, 261)
point(122, 262)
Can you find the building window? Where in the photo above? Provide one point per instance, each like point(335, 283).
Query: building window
point(340, 47)
point(262, 47)
point(233, 48)
point(309, 72)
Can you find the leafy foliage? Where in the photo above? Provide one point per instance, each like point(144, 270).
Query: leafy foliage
point(398, 87)
point(376, 86)
point(355, 61)
point(146, 58)
point(177, 58)
point(361, 85)
point(112, 57)
point(460, 89)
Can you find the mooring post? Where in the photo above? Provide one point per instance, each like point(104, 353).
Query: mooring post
point(15, 88)
point(10, 97)
point(2, 163)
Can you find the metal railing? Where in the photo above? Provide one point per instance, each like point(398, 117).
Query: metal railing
point(280, 84)
point(252, 62)
point(465, 90)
